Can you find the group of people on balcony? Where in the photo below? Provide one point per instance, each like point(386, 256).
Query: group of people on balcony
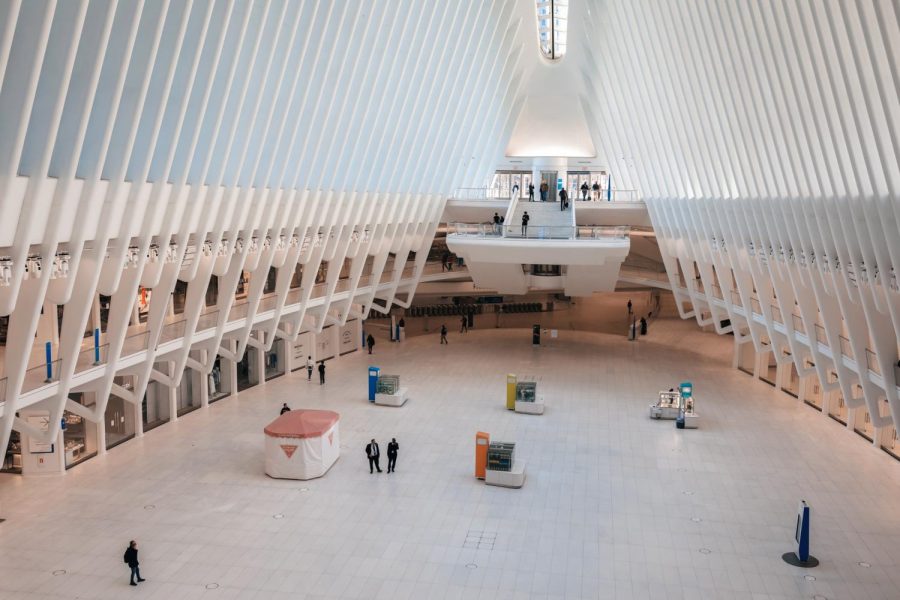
point(587, 192)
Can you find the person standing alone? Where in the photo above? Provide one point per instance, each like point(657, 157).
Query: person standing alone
point(393, 446)
point(464, 324)
point(131, 559)
point(285, 409)
point(322, 372)
point(444, 334)
point(370, 342)
point(373, 454)
point(309, 368)
point(525, 218)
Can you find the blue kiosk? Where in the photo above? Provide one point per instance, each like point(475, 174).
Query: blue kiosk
point(801, 557)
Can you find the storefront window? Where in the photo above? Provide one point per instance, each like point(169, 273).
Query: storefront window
point(187, 394)
point(219, 386)
point(12, 459)
point(275, 360)
point(155, 408)
point(79, 435)
point(119, 421)
point(247, 370)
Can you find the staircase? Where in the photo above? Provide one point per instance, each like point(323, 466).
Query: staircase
point(546, 220)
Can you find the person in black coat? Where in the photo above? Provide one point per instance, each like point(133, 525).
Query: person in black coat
point(322, 372)
point(392, 449)
point(285, 408)
point(643, 326)
point(131, 559)
point(444, 334)
point(374, 455)
point(370, 342)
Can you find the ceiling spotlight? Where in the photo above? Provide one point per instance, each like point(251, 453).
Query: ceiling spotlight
point(33, 266)
point(60, 268)
point(254, 244)
point(153, 253)
point(6, 268)
point(239, 245)
point(172, 253)
point(295, 241)
point(281, 244)
point(207, 248)
point(267, 243)
point(131, 257)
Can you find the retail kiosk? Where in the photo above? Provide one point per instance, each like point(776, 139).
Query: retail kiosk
point(495, 462)
point(302, 444)
point(666, 406)
point(687, 418)
point(388, 391)
point(521, 396)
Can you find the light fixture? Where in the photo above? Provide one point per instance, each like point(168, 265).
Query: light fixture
point(172, 253)
point(60, 268)
point(223, 247)
point(131, 257)
point(295, 241)
point(281, 244)
point(6, 268)
point(207, 248)
point(267, 243)
point(33, 265)
point(238, 245)
point(153, 253)
point(254, 245)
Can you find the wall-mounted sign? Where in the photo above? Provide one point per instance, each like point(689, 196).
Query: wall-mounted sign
point(41, 422)
point(348, 337)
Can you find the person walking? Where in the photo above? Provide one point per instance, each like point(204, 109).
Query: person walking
point(285, 408)
point(309, 368)
point(596, 189)
point(531, 192)
point(496, 223)
point(584, 190)
point(643, 326)
point(464, 324)
point(370, 342)
point(321, 372)
point(392, 449)
point(445, 260)
point(444, 334)
point(515, 189)
point(525, 218)
point(544, 189)
point(629, 306)
point(131, 559)
point(563, 199)
point(373, 454)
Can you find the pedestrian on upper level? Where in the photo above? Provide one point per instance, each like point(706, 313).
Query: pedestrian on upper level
point(370, 343)
point(584, 191)
point(596, 189)
point(131, 559)
point(544, 189)
point(321, 372)
point(563, 199)
point(531, 192)
point(525, 218)
point(515, 189)
point(496, 223)
point(444, 334)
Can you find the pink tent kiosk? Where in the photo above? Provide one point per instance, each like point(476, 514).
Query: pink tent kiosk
point(302, 444)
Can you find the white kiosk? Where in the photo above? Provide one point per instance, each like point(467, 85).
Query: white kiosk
point(302, 444)
point(388, 391)
point(666, 406)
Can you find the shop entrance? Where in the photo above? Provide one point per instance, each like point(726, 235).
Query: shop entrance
point(791, 384)
point(119, 421)
point(550, 178)
point(247, 370)
point(155, 409)
point(219, 387)
point(275, 360)
point(770, 368)
point(891, 443)
point(79, 435)
point(862, 423)
point(813, 394)
point(12, 459)
point(837, 408)
point(747, 358)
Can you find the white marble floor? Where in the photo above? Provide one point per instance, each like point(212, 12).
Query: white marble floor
point(614, 506)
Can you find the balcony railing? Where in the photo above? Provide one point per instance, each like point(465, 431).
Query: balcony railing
point(538, 232)
point(91, 357)
point(798, 323)
point(872, 362)
point(135, 343)
point(623, 196)
point(846, 348)
point(41, 375)
point(482, 193)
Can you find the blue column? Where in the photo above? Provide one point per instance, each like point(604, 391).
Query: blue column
point(373, 382)
point(48, 350)
point(97, 346)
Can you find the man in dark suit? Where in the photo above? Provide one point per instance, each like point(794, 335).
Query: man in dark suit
point(373, 454)
point(131, 559)
point(392, 449)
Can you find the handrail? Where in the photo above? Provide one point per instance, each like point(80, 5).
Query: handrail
point(539, 232)
point(479, 193)
point(624, 196)
point(511, 209)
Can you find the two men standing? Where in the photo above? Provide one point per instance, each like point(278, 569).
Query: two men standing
point(373, 453)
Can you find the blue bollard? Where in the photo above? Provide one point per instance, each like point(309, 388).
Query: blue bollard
point(48, 349)
point(97, 346)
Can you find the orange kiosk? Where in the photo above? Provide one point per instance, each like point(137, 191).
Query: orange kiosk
point(482, 441)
